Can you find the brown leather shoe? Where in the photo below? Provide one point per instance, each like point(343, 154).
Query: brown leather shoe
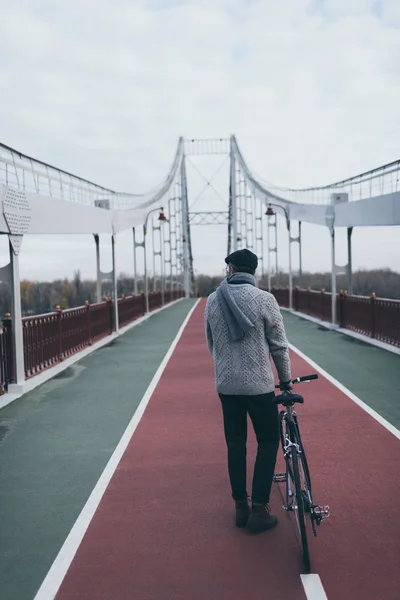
point(260, 519)
point(242, 513)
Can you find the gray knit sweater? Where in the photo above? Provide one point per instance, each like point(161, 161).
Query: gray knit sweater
point(243, 367)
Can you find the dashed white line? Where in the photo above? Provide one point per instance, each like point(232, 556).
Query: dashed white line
point(313, 587)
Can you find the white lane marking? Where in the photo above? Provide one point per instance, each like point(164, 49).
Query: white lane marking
point(63, 560)
point(348, 393)
point(313, 587)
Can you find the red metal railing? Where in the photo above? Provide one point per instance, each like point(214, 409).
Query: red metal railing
point(176, 295)
point(50, 338)
point(131, 308)
point(378, 318)
point(155, 300)
point(315, 304)
point(101, 320)
point(282, 296)
point(41, 342)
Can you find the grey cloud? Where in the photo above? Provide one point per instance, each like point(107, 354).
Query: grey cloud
point(104, 89)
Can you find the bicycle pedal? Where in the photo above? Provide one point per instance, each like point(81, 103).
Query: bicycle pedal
point(321, 512)
point(279, 477)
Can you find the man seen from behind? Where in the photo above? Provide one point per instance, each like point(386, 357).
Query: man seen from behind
point(244, 327)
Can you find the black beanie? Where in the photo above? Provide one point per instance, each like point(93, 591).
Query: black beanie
point(244, 260)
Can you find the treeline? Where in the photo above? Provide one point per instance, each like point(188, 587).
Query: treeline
point(384, 282)
point(38, 297)
point(42, 297)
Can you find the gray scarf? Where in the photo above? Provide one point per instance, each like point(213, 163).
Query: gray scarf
point(238, 323)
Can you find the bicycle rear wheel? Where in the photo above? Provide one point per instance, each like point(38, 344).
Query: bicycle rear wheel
point(300, 508)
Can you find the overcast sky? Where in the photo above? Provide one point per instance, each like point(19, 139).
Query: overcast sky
point(104, 89)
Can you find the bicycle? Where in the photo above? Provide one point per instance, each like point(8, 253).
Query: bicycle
point(297, 476)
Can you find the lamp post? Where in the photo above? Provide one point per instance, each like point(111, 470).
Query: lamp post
point(163, 219)
point(270, 212)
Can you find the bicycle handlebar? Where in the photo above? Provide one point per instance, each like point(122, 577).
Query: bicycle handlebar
point(303, 379)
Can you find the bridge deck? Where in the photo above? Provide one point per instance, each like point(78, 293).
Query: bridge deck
point(163, 529)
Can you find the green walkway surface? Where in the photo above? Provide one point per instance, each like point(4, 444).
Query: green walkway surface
point(370, 373)
point(56, 441)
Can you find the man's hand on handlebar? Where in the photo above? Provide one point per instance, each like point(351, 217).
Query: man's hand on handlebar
point(285, 386)
point(288, 385)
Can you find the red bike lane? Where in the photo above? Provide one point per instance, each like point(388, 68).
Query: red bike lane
point(164, 527)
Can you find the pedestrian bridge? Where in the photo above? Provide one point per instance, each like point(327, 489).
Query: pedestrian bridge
point(114, 481)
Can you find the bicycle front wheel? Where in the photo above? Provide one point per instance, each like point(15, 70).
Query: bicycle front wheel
point(299, 509)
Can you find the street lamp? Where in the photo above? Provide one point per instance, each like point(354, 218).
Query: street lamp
point(163, 219)
point(270, 212)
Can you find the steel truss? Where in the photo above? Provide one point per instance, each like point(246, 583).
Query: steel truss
point(209, 218)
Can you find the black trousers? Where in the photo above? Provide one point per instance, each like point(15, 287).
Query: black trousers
point(264, 416)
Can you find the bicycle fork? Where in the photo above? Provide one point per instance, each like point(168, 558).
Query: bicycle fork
point(290, 492)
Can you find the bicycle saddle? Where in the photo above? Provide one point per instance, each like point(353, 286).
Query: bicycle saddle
point(287, 398)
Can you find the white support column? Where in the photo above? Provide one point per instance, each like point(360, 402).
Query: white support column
point(114, 272)
point(162, 260)
point(98, 271)
point(246, 213)
point(135, 286)
point(349, 262)
point(185, 232)
point(157, 230)
point(262, 248)
point(167, 251)
point(293, 240)
point(233, 200)
point(300, 258)
point(242, 212)
point(171, 271)
point(333, 275)
point(276, 251)
point(178, 236)
point(290, 267)
point(272, 224)
point(18, 338)
point(153, 243)
point(269, 255)
point(259, 232)
point(146, 280)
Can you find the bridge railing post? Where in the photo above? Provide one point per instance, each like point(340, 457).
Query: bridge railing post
point(89, 322)
point(8, 350)
point(143, 297)
point(342, 308)
point(296, 298)
point(60, 332)
point(373, 314)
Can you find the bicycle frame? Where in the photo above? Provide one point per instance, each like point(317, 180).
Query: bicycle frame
point(317, 513)
point(290, 418)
